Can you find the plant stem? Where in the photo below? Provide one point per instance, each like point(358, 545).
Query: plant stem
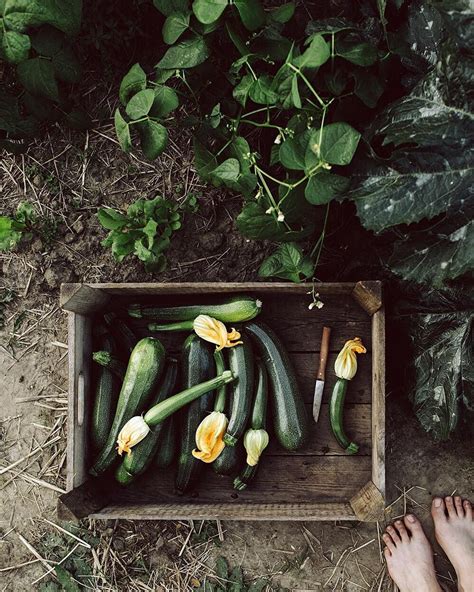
point(219, 405)
point(319, 244)
point(308, 84)
point(269, 125)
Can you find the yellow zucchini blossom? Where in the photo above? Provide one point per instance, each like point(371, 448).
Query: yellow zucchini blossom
point(133, 432)
point(215, 331)
point(255, 442)
point(209, 437)
point(346, 362)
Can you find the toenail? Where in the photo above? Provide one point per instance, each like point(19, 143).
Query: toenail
point(411, 518)
point(438, 501)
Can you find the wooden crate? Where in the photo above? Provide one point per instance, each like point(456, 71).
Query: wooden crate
point(319, 482)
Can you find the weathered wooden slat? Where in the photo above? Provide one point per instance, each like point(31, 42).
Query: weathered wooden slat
point(368, 503)
point(79, 398)
point(234, 511)
point(358, 426)
point(82, 299)
point(299, 479)
point(369, 296)
point(378, 401)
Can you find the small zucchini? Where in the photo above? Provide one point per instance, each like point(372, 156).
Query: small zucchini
point(143, 373)
point(242, 367)
point(336, 416)
point(197, 365)
point(167, 445)
point(108, 360)
point(107, 388)
point(234, 310)
point(124, 336)
point(290, 418)
point(142, 454)
point(257, 422)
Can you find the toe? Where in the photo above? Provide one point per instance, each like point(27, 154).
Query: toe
point(387, 539)
point(394, 534)
point(413, 525)
point(450, 506)
point(387, 553)
point(468, 509)
point(438, 509)
point(458, 505)
point(402, 531)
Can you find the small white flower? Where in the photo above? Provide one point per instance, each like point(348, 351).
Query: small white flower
point(327, 166)
point(312, 305)
point(319, 304)
point(277, 140)
point(270, 210)
point(281, 217)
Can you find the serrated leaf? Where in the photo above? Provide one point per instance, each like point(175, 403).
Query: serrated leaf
point(209, 11)
point(37, 76)
point(323, 187)
point(132, 82)
point(65, 15)
point(251, 13)
point(122, 130)
point(140, 104)
point(165, 101)
point(175, 25)
point(338, 143)
point(14, 47)
point(288, 263)
point(185, 54)
point(316, 54)
point(154, 138)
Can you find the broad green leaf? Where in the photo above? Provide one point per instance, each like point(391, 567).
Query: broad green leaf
point(121, 244)
point(368, 88)
point(323, 187)
point(9, 237)
point(360, 53)
point(316, 54)
point(442, 364)
point(65, 15)
point(167, 7)
point(204, 160)
point(186, 54)
point(208, 11)
point(241, 149)
point(66, 65)
point(339, 143)
point(222, 568)
point(68, 584)
point(14, 47)
point(229, 170)
point(293, 151)
point(150, 230)
point(283, 13)
point(175, 25)
point(241, 91)
point(261, 92)
point(132, 82)
point(433, 256)
point(140, 104)
point(166, 100)
point(37, 76)
point(255, 224)
point(111, 219)
point(122, 129)
point(251, 13)
point(295, 93)
point(288, 263)
point(47, 41)
point(215, 116)
point(154, 138)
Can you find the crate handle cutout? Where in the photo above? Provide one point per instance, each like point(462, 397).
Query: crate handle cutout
point(81, 395)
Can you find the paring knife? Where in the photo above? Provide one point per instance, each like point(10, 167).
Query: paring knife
point(319, 387)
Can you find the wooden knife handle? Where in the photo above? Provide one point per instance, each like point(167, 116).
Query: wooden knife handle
point(324, 352)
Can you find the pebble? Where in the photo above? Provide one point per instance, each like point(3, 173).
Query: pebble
point(78, 226)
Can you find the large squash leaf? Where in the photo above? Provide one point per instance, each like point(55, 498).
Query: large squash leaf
point(443, 369)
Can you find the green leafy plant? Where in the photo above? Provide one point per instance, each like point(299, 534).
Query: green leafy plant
point(281, 113)
point(35, 40)
point(288, 263)
point(144, 230)
point(20, 226)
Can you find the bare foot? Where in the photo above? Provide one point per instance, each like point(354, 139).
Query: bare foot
point(410, 557)
point(454, 530)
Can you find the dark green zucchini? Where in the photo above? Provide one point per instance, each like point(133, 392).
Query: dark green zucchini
point(125, 337)
point(167, 445)
point(242, 367)
point(142, 454)
point(290, 418)
point(246, 476)
point(107, 388)
point(229, 460)
point(197, 366)
point(143, 374)
point(108, 360)
point(336, 416)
